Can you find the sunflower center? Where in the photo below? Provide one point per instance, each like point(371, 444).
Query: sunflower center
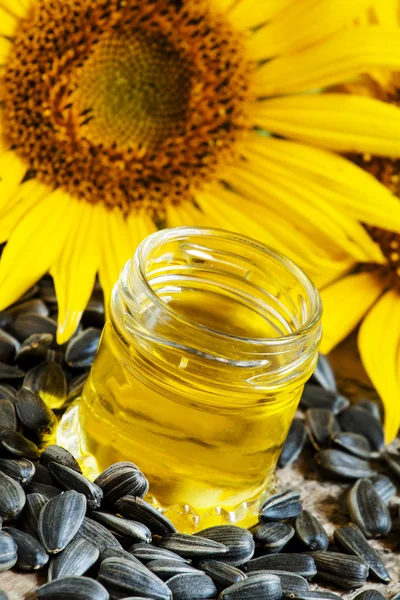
point(130, 103)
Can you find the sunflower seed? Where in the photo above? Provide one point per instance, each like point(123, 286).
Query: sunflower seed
point(371, 407)
point(190, 546)
point(223, 575)
point(309, 595)
point(69, 479)
point(124, 576)
point(316, 397)
point(8, 415)
point(10, 371)
point(42, 475)
point(75, 560)
point(6, 319)
point(9, 346)
point(7, 391)
point(139, 510)
point(118, 553)
point(192, 586)
point(360, 421)
point(49, 382)
point(239, 541)
point(75, 387)
point(34, 414)
point(31, 306)
point(285, 505)
point(165, 569)
point(368, 510)
point(273, 536)
point(130, 531)
point(385, 488)
point(30, 515)
point(260, 587)
point(310, 532)
point(97, 534)
point(344, 570)
point(82, 348)
point(122, 479)
point(321, 425)
point(294, 443)
point(8, 552)
point(21, 470)
point(300, 564)
point(15, 443)
point(57, 454)
point(31, 554)
point(343, 465)
point(48, 491)
point(26, 324)
point(147, 553)
point(393, 462)
point(352, 540)
point(12, 497)
point(34, 349)
point(47, 290)
point(323, 374)
point(369, 595)
point(354, 443)
point(290, 582)
point(72, 588)
point(60, 519)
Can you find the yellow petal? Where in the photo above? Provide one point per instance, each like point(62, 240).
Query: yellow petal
point(74, 272)
point(336, 60)
point(35, 245)
point(139, 226)
point(345, 303)
point(350, 188)
point(379, 346)
point(302, 24)
point(25, 198)
point(5, 46)
point(185, 215)
point(8, 22)
point(248, 14)
point(16, 8)
point(12, 172)
point(223, 6)
point(335, 121)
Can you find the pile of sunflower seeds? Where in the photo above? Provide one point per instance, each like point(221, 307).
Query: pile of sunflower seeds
point(101, 539)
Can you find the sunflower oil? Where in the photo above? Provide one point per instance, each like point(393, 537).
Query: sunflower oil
point(199, 372)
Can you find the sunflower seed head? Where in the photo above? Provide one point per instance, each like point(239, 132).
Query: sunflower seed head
point(344, 570)
point(321, 425)
point(8, 415)
point(122, 479)
point(351, 539)
point(300, 564)
point(79, 588)
point(139, 510)
point(130, 531)
point(323, 374)
point(358, 420)
point(82, 348)
point(290, 582)
point(49, 382)
point(384, 486)
point(368, 510)
point(192, 586)
point(191, 546)
point(125, 577)
point(12, 497)
point(69, 479)
point(310, 532)
point(22, 470)
point(8, 552)
point(272, 536)
point(28, 323)
point(75, 560)
point(343, 465)
point(239, 541)
point(315, 396)
point(285, 505)
point(147, 552)
point(60, 519)
point(31, 554)
point(266, 586)
point(34, 414)
point(294, 443)
point(97, 534)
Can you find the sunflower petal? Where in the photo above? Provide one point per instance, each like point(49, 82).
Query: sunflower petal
point(350, 188)
point(302, 24)
point(8, 22)
point(26, 197)
point(5, 46)
point(17, 8)
point(336, 60)
point(12, 172)
point(248, 14)
point(379, 346)
point(34, 245)
point(74, 272)
point(185, 215)
point(139, 226)
point(345, 303)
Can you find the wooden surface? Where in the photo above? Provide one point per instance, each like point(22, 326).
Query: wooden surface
point(324, 499)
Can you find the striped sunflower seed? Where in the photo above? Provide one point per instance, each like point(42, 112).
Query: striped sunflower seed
point(8, 552)
point(34, 414)
point(22, 470)
point(30, 514)
point(97, 534)
point(10, 371)
point(123, 576)
point(384, 486)
point(259, 587)
point(321, 425)
point(310, 532)
point(6, 319)
point(26, 324)
point(165, 569)
point(239, 541)
point(368, 510)
point(57, 454)
point(272, 536)
point(147, 552)
point(130, 531)
point(30, 306)
point(7, 391)
point(18, 445)
point(294, 443)
point(286, 505)
point(369, 595)
point(300, 564)
point(122, 479)
point(393, 462)
point(360, 421)
point(42, 475)
point(60, 519)
point(192, 586)
point(31, 554)
point(49, 382)
point(9, 346)
point(316, 397)
point(192, 546)
point(354, 443)
point(343, 465)
point(75, 560)
point(223, 575)
point(49, 491)
point(115, 552)
point(324, 375)
point(346, 571)
point(12, 497)
point(82, 348)
point(351, 539)
point(290, 582)
point(69, 479)
point(137, 509)
point(312, 595)
point(72, 588)
point(8, 415)
point(33, 350)
point(371, 407)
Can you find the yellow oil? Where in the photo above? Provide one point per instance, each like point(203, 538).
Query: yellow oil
point(209, 453)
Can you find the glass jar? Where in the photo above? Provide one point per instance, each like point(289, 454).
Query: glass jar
point(209, 341)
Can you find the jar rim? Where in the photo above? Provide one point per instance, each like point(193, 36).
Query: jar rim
point(170, 234)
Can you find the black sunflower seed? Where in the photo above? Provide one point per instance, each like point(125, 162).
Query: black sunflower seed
point(294, 443)
point(122, 479)
point(222, 574)
point(343, 465)
point(7, 391)
point(344, 570)
point(316, 397)
point(34, 349)
point(192, 586)
point(82, 348)
point(371, 407)
point(30, 306)
point(300, 564)
point(273, 536)
point(57, 454)
point(8, 415)
point(259, 587)
point(368, 510)
point(9, 346)
point(369, 595)
point(31, 554)
point(360, 421)
point(130, 531)
point(75, 387)
point(42, 475)
point(72, 588)
point(97, 534)
point(385, 488)
point(139, 510)
point(15, 443)
point(123, 576)
point(5, 319)
point(12, 497)
point(239, 541)
point(324, 375)
point(34, 414)
point(115, 552)
point(10, 372)
point(48, 491)
point(49, 382)
point(69, 479)
point(22, 470)
point(393, 462)
point(165, 569)
point(60, 519)
point(147, 552)
point(310, 532)
point(312, 595)
point(290, 582)
point(30, 515)
point(351, 539)
point(285, 505)
point(75, 560)
point(191, 546)
point(353, 443)
point(321, 425)
point(26, 324)
point(8, 552)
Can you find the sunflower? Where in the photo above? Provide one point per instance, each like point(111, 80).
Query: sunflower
point(121, 116)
